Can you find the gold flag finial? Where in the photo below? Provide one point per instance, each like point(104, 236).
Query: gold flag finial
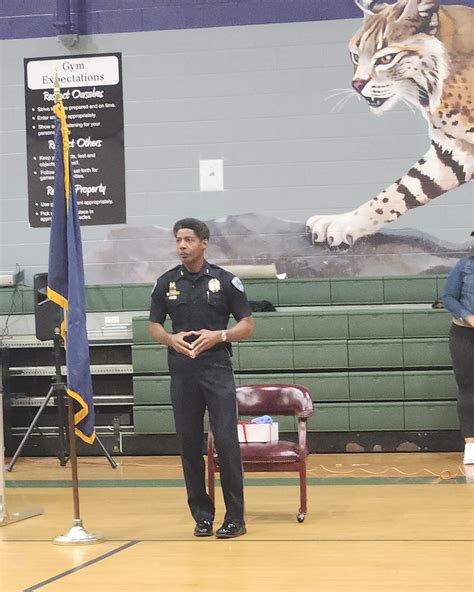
point(57, 90)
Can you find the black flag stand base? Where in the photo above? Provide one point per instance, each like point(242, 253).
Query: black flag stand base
point(58, 390)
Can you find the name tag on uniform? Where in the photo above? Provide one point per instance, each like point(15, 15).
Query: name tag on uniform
point(172, 293)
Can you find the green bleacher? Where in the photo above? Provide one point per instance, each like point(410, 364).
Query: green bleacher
point(372, 351)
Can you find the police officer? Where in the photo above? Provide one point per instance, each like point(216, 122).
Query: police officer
point(199, 297)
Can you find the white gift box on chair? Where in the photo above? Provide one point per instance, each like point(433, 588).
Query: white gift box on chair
point(257, 432)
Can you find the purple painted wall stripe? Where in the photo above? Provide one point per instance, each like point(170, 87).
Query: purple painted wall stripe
point(20, 19)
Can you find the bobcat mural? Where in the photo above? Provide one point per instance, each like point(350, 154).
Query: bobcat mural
point(417, 52)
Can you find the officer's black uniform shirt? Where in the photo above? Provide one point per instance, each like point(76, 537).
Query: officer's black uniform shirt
point(202, 300)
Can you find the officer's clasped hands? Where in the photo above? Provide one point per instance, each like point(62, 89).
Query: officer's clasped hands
point(179, 344)
point(206, 340)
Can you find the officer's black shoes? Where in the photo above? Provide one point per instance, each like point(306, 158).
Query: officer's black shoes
point(203, 528)
point(230, 530)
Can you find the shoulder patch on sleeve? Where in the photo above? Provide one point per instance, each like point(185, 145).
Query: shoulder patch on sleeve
point(237, 283)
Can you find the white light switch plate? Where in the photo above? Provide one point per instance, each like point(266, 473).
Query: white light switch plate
point(211, 175)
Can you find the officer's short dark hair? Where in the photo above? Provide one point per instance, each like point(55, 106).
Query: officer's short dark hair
point(200, 228)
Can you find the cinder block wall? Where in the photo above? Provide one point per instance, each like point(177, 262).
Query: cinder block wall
point(242, 81)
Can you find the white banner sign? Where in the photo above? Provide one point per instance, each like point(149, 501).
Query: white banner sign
point(73, 72)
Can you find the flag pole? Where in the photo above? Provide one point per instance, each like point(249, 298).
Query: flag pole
point(73, 461)
point(77, 535)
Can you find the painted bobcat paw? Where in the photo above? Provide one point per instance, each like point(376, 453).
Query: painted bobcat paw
point(335, 229)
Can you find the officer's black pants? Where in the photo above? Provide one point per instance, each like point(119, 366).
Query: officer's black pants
point(207, 381)
point(461, 342)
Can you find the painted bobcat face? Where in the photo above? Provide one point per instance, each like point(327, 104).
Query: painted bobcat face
point(396, 55)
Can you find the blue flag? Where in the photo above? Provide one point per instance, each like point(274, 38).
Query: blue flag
point(66, 286)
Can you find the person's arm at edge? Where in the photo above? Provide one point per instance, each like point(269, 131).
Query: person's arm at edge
point(452, 295)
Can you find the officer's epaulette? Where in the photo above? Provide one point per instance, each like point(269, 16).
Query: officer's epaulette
point(171, 272)
point(214, 266)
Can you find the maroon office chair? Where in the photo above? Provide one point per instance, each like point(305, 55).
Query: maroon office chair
point(270, 399)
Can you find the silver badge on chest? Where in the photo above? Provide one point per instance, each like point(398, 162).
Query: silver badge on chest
point(214, 285)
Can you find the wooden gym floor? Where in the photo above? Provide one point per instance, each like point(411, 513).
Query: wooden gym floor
point(376, 523)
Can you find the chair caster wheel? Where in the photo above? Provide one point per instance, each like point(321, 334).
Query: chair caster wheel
point(300, 517)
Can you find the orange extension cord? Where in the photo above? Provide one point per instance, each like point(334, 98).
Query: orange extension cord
point(445, 475)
